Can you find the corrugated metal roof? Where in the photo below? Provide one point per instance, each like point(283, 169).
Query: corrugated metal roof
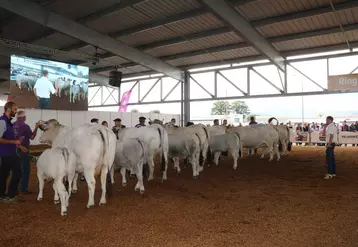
point(198, 44)
point(262, 9)
point(217, 56)
point(317, 41)
point(192, 25)
point(74, 9)
point(348, 16)
point(90, 50)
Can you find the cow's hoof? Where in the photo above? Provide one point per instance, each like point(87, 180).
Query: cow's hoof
point(64, 213)
point(141, 192)
point(39, 199)
point(136, 189)
point(195, 177)
point(235, 167)
point(57, 201)
point(102, 204)
point(124, 184)
point(74, 191)
point(90, 205)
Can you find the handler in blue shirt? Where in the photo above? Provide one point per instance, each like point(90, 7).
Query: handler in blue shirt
point(10, 161)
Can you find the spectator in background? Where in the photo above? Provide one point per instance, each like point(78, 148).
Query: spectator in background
point(95, 120)
point(189, 124)
point(104, 123)
point(352, 128)
point(173, 121)
point(216, 122)
point(299, 129)
point(252, 120)
point(23, 132)
point(117, 126)
point(141, 122)
point(43, 89)
point(225, 122)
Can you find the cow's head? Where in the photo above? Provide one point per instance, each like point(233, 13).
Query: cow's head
point(49, 129)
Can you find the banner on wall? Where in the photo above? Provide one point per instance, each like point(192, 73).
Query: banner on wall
point(124, 101)
point(317, 137)
point(343, 82)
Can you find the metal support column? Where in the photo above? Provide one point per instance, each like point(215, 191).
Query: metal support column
point(186, 101)
point(285, 77)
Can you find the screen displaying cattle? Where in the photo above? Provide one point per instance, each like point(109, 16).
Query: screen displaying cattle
point(45, 84)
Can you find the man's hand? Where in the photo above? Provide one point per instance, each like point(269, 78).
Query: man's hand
point(17, 142)
point(23, 149)
point(37, 125)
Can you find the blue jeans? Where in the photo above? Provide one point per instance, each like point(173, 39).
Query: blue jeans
point(44, 103)
point(330, 160)
point(25, 168)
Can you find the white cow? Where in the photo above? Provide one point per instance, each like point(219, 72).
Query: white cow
point(131, 154)
point(265, 136)
point(224, 143)
point(217, 130)
point(185, 145)
point(94, 146)
point(57, 163)
point(63, 85)
point(155, 138)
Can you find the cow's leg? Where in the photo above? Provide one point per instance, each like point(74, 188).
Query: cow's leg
point(111, 173)
point(70, 177)
point(275, 147)
point(91, 183)
point(104, 173)
point(216, 157)
point(235, 156)
point(40, 177)
point(124, 179)
point(177, 164)
point(56, 198)
point(263, 151)
point(74, 184)
point(164, 158)
point(151, 165)
point(58, 184)
point(271, 149)
point(196, 164)
point(139, 186)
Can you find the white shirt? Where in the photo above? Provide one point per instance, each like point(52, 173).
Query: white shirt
point(331, 130)
point(44, 87)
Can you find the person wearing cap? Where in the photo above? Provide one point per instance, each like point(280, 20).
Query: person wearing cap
point(95, 120)
point(173, 122)
point(10, 161)
point(24, 133)
point(141, 122)
point(117, 126)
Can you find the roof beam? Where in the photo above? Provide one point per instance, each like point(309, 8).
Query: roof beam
point(94, 16)
point(308, 34)
point(57, 22)
point(243, 27)
point(303, 14)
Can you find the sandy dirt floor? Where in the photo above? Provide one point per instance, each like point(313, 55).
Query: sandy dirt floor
point(260, 204)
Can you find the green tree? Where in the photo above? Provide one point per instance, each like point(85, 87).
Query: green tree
point(219, 108)
point(240, 107)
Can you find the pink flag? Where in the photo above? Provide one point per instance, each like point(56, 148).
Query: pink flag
point(124, 101)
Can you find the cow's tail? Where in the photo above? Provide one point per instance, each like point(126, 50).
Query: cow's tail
point(163, 157)
point(202, 159)
point(238, 143)
point(289, 143)
point(144, 157)
point(104, 156)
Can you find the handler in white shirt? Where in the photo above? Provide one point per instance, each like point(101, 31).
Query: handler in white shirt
point(331, 140)
point(42, 89)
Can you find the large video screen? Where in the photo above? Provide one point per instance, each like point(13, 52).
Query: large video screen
point(45, 84)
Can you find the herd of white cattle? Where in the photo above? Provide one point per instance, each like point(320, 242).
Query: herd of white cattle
point(94, 150)
point(78, 89)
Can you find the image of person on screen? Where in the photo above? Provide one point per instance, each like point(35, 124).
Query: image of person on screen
point(42, 89)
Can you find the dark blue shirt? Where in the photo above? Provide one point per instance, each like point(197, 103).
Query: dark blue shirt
point(7, 133)
point(251, 123)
